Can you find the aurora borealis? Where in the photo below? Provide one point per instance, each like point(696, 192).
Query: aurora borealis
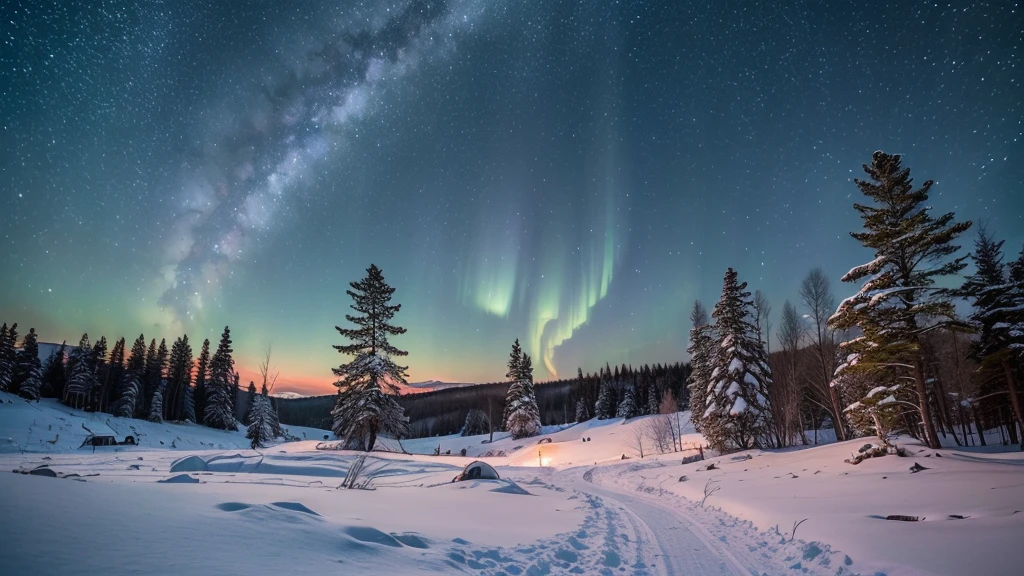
point(573, 174)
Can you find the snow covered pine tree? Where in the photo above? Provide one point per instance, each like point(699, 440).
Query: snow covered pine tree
point(738, 415)
point(522, 416)
point(219, 411)
point(899, 302)
point(261, 424)
point(369, 384)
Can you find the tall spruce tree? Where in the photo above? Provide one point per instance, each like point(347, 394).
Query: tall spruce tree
point(523, 415)
point(605, 406)
point(515, 362)
point(250, 398)
point(131, 384)
point(111, 378)
point(582, 415)
point(219, 410)
point(179, 379)
point(702, 360)
point(8, 338)
point(998, 304)
point(369, 384)
point(899, 300)
point(100, 368)
point(260, 423)
point(275, 420)
point(202, 377)
point(148, 383)
point(156, 407)
point(628, 407)
point(28, 370)
point(738, 411)
point(81, 374)
point(54, 377)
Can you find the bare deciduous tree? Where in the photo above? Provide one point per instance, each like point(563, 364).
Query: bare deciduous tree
point(635, 438)
point(787, 390)
point(762, 324)
point(816, 293)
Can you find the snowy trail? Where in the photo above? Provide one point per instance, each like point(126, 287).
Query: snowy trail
point(681, 550)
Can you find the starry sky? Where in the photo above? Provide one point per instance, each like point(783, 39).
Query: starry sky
point(573, 174)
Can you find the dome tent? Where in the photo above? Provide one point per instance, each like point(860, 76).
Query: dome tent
point(477, 470)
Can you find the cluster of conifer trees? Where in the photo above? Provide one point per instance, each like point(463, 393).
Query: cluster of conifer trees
point(896, 357)
point(152, 383)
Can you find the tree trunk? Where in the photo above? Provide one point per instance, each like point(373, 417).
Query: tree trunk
point(931, 439)
point(978, 424)
point(372, 440)
point(1012, 386)
point(837, 413)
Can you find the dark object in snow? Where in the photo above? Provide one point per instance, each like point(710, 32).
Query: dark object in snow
point(958, 517)
point(712, 466)
point(462, 452)
point(683, 478)
point(692, 459)
point(327, 437)
point(43, 470)
point(917, 468)
point(902, 518)
point(477, 470)
point(95, 441)
point(544, 441)
point(588, 439)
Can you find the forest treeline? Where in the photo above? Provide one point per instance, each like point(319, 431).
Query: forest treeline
point(921, 348)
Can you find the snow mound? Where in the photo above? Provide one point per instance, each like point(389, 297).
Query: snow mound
point(189, 464)
point(294, 507)
point(180, 479)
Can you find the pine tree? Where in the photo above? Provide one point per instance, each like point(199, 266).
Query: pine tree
point(112, 378)
point(260, 425)
point(202, 377)
point(275, 421)
point(219, 409)
point(702, 361)
point(81, 374)
point(179, 379)
point(54, 378)
point(369, 384)
point(8, 338)
point(899, 301)
point(156, 407)
point(604, 408)
point(131, 381)
point(998, 304)
point(250, 398)
point(156, 370)
point(738, 413)
point(100, 369)
point(653, 394)
point(476, 423)
point(581, 411)
point(627, 408)
point(28, 370)
point(514, 374)
point(521, 402)
point(189, 406)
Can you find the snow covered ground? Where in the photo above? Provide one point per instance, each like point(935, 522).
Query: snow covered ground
point(153, 509)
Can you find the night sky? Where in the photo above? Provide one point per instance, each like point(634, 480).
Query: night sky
point(573, 174)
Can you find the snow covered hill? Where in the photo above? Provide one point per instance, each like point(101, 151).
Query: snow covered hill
point(567, 504)
point(49, 426)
